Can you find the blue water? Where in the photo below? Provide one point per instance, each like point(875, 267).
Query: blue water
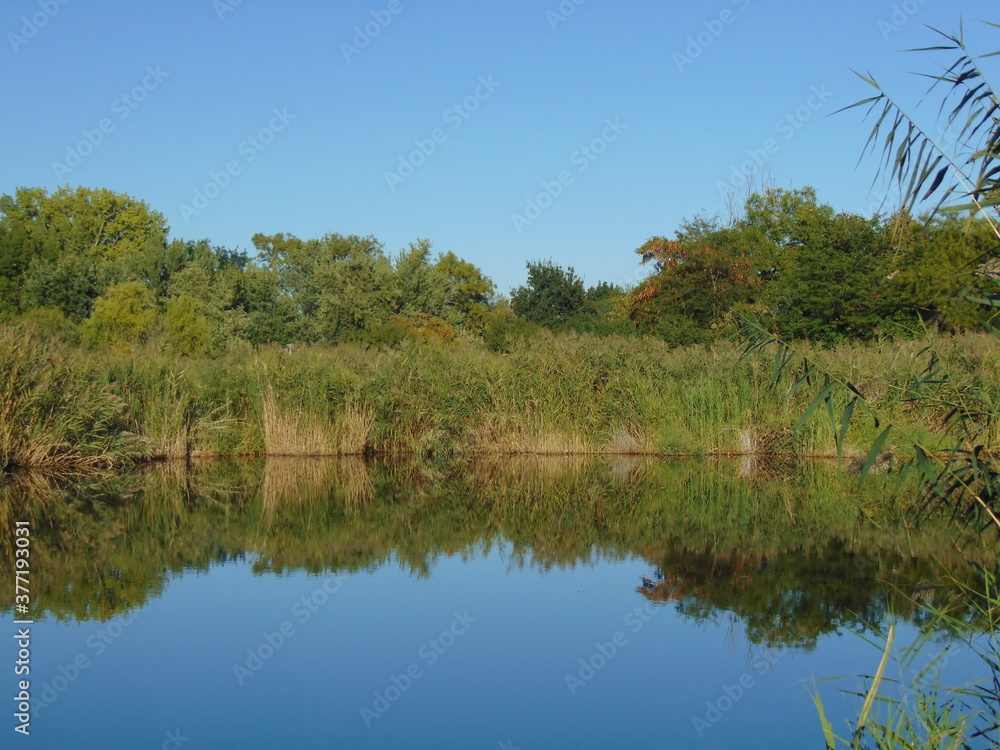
point(482, 653)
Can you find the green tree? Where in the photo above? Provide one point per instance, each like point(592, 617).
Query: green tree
point(111, 232)
point(271, 315)
point(310, 273)
point(123, 316)
point(502, 328)
point(357, 292)
point(187, 328)
point(834, 284)
point(217, 290)
point(422, 290)
point(470, 292)
point(158, 266)
point(552, 295)
point(605, 312)
point(825, 275)
point(51, 324)
point(449, 288)
point(696, 281)
point(936, 267)
point(69, 284)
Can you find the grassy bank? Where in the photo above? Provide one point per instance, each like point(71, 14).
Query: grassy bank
point(62, 407)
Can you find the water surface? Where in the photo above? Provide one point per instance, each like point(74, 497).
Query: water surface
point(522, 604)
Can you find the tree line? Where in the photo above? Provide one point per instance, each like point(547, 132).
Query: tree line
point(98, 267)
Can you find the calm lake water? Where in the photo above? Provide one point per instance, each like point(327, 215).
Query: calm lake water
point(518, 604)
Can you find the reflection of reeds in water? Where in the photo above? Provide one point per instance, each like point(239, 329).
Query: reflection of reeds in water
point(560, 483)
point(754, 467)
point(556, 472)
point(501, 434)
point(169, 475)
point(354, 479)
point(315, 514)
point(26, 496)
point(882, 464)
point(626, 469)
point(763, 453)
point(302, 433)
point(527, 473)
point(296, 481)
point(762, 441)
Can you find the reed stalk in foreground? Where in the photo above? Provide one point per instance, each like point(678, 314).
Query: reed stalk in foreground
point(914, 711)
point(965, 482)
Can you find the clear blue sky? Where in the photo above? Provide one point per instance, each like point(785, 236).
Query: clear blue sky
point(212, 73)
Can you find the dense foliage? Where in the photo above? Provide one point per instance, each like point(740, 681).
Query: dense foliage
point(99, 267)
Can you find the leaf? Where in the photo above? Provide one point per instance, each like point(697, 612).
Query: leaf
point(936, 183)
point(925, 464)
point(904, 471)
point(869, 79)
point(821, 397)
point(874, 452)
point(845, 425)
point(828, 735)
point(986, 302)
point(990, 327)
point(873, 689)
point(755, 341)
point(782, 357)
point(807, 369)
point(833, 419)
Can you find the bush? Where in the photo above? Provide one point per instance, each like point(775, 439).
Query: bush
point(187, 328)
point(124, 316)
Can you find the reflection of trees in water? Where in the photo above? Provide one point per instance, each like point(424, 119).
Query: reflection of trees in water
point(103, 548)
point(793, 596)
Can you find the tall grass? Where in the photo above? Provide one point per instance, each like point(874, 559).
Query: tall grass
point(56, 412)
point(306, 433)
point(553, 394)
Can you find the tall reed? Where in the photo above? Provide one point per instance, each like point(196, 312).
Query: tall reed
point(552, 394)
point(56, 412)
